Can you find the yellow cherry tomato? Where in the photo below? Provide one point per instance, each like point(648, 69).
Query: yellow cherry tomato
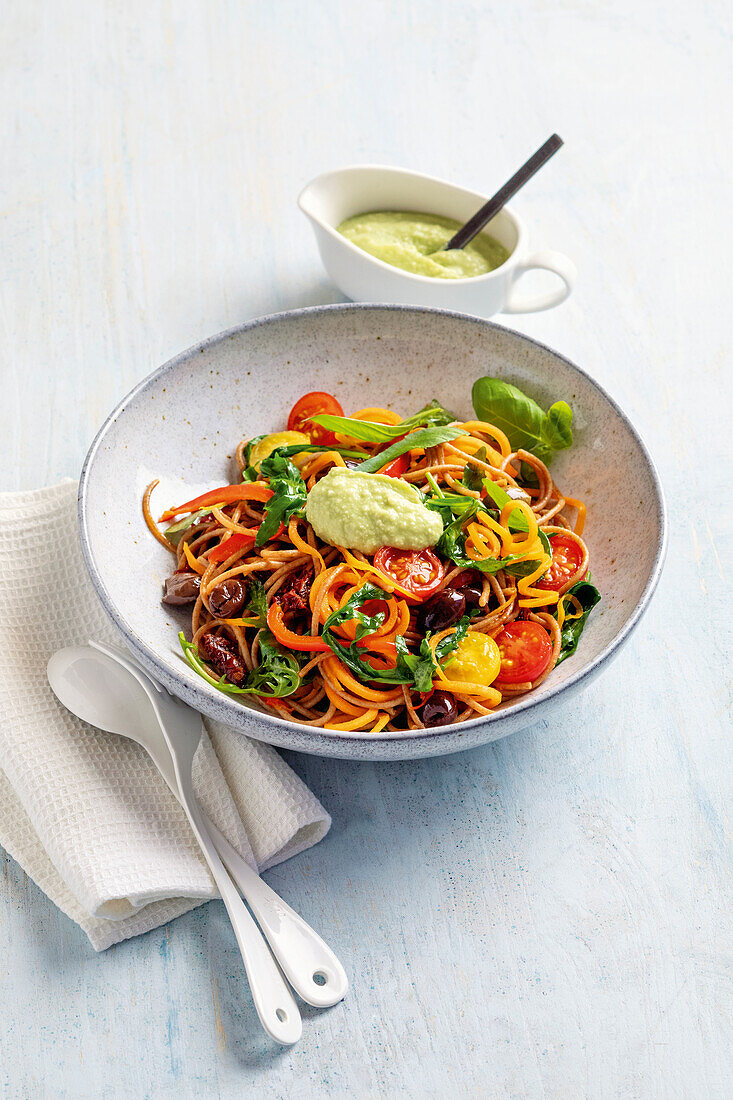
point(477, 660)
point(269, 443)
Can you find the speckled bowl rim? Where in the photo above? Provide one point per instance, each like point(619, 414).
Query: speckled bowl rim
point(320, 738)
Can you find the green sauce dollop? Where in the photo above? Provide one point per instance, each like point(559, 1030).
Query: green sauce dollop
point(365, 511)
point(411, 241)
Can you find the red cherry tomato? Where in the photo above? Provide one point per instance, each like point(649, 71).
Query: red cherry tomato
point(525, 649)
point(566, 559)
point(418, 571)
point(310, 404)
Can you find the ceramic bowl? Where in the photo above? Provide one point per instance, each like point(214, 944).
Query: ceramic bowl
point(181, 425)
point(330, 198)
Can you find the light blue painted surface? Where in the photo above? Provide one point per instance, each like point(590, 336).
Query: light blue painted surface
point(545, 917)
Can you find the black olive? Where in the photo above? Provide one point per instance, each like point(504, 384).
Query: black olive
point(442, 611)
point(439, 709)
point(181, 588)
point(472, 593)
point(469, 583)
point(227, 598)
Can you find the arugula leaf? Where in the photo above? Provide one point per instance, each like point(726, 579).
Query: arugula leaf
point(249, 473)
point(424, 665)
point(425, 437)
point(256, 608)
point(276, 676)
point(522, 419)
point(587, 596)
point(277, 673)
point(350, 654)
point(371, 432)
point(298, 448)
point(452, 543)
point(453, 504)
point(411, 668)
point(175, 532)
point(288, 499)
point(448, 645)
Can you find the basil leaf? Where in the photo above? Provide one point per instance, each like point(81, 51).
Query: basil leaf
point(433, 413)
point(557, 428)
point(288, 499)
point(424, 438)
point(175, 532)
point(366, 430)
point(587, 596)
point(519, 568)
point(371, 432)
point(522, 419)
point(546, 546)
point(472, 475)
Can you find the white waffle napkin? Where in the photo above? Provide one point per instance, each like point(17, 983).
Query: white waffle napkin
point(85, 813)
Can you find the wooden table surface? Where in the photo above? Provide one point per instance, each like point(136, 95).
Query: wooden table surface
point(545, 917)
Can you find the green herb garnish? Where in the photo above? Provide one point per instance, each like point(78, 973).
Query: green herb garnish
point(288, 499)
point(521, 418)
point(587, 596)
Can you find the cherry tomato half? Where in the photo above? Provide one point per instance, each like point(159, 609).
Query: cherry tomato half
point(310, 404)
point(525, 649)
point(418, 571)
point(566, 560)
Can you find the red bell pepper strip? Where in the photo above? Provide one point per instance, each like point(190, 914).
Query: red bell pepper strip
point(289, 638)
point(236, 544)
point(397, 467)
point(228, 494)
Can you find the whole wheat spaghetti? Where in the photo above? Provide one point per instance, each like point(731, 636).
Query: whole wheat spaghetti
point(329, 636)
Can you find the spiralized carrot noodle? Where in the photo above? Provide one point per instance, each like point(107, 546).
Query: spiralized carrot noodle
point(581, 510)
point(311, 580)
point(481, 428)
point(377, 415)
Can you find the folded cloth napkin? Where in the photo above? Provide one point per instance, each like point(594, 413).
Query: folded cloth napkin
point(85, 813)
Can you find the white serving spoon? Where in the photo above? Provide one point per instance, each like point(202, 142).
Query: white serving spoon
point(97, 689)
point(308, 963)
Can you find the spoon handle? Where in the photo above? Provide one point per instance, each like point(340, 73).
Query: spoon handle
point(491, 208)
point(273, 1000)
point(308, 963)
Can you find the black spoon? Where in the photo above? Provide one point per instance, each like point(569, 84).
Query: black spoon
point(491, 208)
